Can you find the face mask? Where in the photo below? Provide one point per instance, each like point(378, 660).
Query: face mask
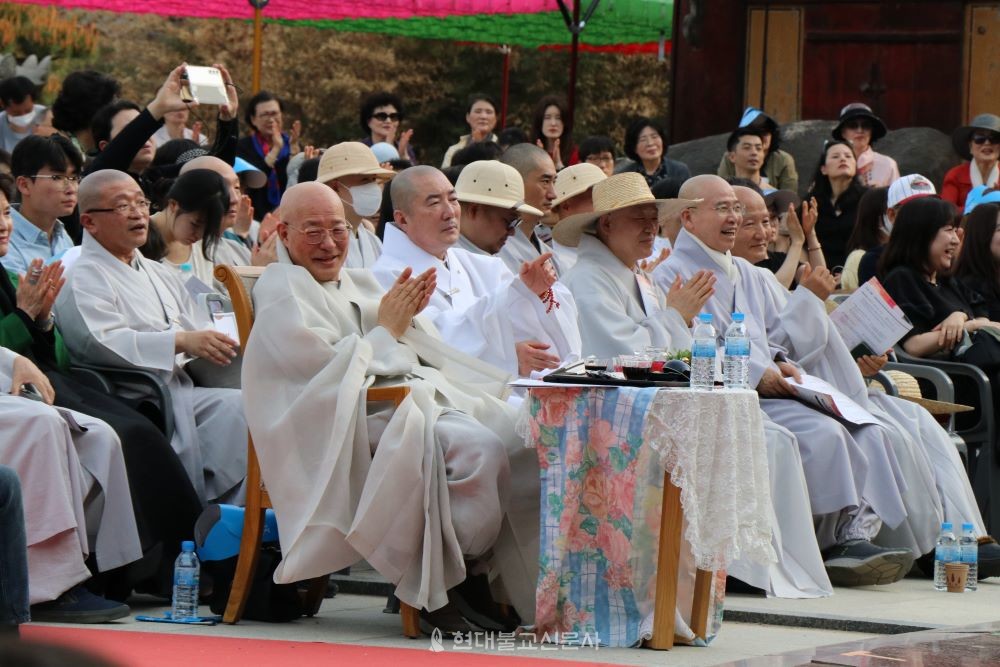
point(24, 120)
point(367, 199)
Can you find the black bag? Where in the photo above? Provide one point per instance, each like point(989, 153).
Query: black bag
point(268, 601)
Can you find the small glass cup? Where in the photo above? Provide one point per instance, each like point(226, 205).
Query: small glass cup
point(594, 365)
point(657, 357)
point(636, 366)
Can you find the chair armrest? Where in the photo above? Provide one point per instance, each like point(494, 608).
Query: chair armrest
point(396, 394)
point(943, 386)
point(887, 384)
point(112, 376)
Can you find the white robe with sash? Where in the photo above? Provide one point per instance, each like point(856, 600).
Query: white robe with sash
point(621, 311)
point(128, 315)
point(69, 510)
point(411, 490)
point(847, 470)
point(480, 307)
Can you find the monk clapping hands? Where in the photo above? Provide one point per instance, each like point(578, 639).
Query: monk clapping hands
point(688, 298)
point(407, 297)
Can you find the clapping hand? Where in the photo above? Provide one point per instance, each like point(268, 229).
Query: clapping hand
point(819, 281)
point(649, 265)
point(688, 298)
point(407, 297)
point(38, 288)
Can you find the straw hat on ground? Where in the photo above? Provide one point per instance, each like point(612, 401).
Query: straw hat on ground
point(350, 158)
point(910, 390)
point(577, 179)
point(493, 183)
point(615, 193)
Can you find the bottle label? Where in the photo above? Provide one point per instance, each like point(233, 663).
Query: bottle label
point(738, 347)
point(186, 578)
point(703, 348)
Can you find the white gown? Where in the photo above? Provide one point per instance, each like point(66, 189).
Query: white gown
point(519, 249)
point(480, 307)
point(128, 315)
point(620, 311)
point(412, 490)
point(365, 248)
point(69, 510)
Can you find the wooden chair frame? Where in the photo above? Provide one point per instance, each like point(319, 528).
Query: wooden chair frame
point(257, 498)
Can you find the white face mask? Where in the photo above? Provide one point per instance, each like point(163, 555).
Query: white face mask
point(23, 121)
point(366, 199)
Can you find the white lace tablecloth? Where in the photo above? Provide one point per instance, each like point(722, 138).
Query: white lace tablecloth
point(712, 444)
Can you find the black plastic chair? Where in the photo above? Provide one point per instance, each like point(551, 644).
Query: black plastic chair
point(154, 401)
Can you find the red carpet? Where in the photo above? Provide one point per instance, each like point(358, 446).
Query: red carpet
point(151, 649)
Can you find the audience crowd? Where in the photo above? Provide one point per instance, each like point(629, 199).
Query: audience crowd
point(526, 251)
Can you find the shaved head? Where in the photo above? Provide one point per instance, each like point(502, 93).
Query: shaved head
point(93, 185)
point(524, 157)
point(313, 229)
point(405, 189)
point(696, 186)
point(303, 197)
point(715, 220)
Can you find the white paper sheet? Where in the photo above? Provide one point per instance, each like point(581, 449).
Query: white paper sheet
point(822, 395)
point(870, 316)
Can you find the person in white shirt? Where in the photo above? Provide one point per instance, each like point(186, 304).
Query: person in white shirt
point(353, 172)
point(175, 127)
point(518, 323)
point(535, 232)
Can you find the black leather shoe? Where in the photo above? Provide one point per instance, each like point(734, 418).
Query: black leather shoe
point(861, 563)
point(473, 599)
point(447, 620)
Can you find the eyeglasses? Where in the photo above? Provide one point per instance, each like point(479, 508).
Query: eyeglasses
point(383, 116)
point(316, 235)
point(140, 205)
point(726, 210)
point(59, 179)
point(980, 139)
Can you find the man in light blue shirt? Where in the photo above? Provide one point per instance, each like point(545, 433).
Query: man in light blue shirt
point(46, 171)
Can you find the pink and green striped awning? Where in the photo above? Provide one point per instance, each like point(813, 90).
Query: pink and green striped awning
point(618, 25)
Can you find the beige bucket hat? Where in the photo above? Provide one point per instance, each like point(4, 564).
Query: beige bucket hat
point(613, 194)
point(577, 179)
point(494, 184)
point(350, 158)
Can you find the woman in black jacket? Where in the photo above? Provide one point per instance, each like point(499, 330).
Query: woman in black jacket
point(837, 195)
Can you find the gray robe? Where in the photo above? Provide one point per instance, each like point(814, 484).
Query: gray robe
point(128, 315)
point(616, 316)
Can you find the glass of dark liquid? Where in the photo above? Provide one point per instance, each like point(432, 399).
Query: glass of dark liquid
point(594, 365)
point(636, 366)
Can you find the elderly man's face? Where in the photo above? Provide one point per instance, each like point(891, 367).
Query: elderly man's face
point(630, 232)
point(431, 220)
point(316, 234)
point(120, 232)
point(715, 220)
point(752, 235)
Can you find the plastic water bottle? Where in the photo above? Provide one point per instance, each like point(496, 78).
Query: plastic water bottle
point(946, 551)
point(187, 572)
point(968, 551)
point(736, 362)
point(703, 353)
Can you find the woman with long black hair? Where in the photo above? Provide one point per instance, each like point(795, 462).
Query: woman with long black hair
point(979, 262)
point(837, 194)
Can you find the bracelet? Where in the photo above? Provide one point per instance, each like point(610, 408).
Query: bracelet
point(548, 297)
point(819, 247)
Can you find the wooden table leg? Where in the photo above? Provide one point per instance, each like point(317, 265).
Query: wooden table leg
point(668, 559)
point(699, 607)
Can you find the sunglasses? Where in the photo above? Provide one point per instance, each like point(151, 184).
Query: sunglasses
point(858, 125)
point(383, 116)
point(980, 139)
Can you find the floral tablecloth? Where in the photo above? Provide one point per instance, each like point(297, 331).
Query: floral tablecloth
point(602, 454)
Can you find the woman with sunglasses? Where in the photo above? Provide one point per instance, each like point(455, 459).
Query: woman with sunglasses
point(381, 114)
point(979, 143)
point(861, 128)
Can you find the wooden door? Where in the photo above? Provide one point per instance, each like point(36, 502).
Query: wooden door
point(904, 59)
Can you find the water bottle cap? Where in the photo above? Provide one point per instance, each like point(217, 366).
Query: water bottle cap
point(186, 266)
point(966, 526)
point(737, 317)
point(946, 525)
point(705, 317)
point(187, 545)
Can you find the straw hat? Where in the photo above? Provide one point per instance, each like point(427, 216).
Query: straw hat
point(350, 158)
point(910, 390)
point(961, 137)
point(576, 179)
point(614, 194)
point(493, 183)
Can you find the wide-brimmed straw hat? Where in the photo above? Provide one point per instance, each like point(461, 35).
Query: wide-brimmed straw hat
point(961, 137)
point(615, 193)
point(909, 389)
point(577, 179)
point(493, 183)
point(860, 110)
point(350, 158)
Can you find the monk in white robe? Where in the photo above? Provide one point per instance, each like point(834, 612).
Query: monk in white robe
point(518, 323)
point(69, 511)
point(538, 174)
point(120, 309)
point(417, 491)
point(853, 478)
